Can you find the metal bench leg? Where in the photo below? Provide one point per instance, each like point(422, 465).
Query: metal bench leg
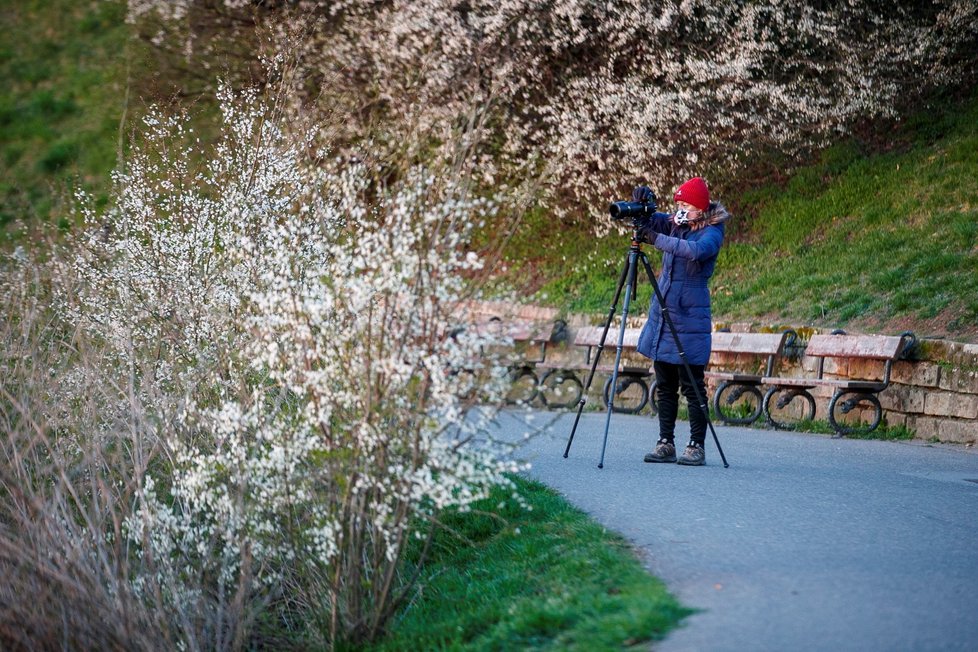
point(624, 384)
point(737, 403)
point(523, 387)
point(859, 400)
point(560, 388)
point(777, 412)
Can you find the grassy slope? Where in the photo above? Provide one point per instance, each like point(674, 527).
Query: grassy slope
point(61, 102)
point(883, 242)
point(890, 240)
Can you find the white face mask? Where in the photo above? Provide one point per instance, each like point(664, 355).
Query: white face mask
point(681, 217)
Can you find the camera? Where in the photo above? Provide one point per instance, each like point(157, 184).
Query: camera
point(623, 210)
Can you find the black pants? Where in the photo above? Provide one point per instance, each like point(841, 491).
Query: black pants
point(669, 378)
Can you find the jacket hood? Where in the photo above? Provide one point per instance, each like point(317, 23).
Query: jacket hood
point(716, 213)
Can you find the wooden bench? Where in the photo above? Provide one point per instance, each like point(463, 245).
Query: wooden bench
point(530, 341)
point(534, 335)
point(862, 391)
point(519, 345)
point(561, 386)
point(737, 399)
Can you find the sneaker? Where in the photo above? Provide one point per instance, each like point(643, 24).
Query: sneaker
point(694, 455)
point(665, 451)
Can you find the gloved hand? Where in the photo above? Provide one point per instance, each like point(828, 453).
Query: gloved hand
point(643, 194)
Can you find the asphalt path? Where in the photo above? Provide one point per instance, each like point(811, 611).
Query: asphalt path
point(804, 543)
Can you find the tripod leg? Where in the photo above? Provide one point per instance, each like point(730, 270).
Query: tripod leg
point(597, 355)
point(667, 320)
point(629, 291)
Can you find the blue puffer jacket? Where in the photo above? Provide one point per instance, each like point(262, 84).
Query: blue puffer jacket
point(688, 259)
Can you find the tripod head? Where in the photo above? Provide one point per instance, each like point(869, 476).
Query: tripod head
point(636, 241)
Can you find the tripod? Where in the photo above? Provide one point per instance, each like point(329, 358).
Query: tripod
point(629, 281)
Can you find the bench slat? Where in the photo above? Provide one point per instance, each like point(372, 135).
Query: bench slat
point(530, 333)
point(877, 347)
point(865, 385)
point(733, 376)
point(517, 331)
point(625, 368)
point(604, 368)
point(547, 364)
point(591, 336)
point(790, 382)
point(756, 343)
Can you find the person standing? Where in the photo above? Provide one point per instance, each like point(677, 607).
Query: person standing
point(690, 240)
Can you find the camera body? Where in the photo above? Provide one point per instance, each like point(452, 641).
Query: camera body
point(623, 210)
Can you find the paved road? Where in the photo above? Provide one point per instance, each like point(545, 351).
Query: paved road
point(804, 543)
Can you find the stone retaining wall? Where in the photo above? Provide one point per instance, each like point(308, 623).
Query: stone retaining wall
point(935, 395)
point(937, 400)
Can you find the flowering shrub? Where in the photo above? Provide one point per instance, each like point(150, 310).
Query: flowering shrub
point(287, 332)
point(613, 92)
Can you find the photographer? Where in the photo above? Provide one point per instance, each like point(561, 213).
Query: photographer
point(690, 240)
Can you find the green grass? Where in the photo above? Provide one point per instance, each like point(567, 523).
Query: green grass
point(888, 236)
point(887, 433)
point(546, 579)
point(883, 432)
point(878, 242)
point(63, 69)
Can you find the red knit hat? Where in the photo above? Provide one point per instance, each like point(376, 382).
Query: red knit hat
point(694, 192)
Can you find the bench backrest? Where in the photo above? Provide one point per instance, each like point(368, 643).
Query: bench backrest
point(591, 336)
point(870, 347)
point(755, 343)
point(529, 332)
point(483, 311)
point(587, 336)
point(875, 347)
point(518, 331)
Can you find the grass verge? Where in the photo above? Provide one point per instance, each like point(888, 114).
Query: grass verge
point(883, 432)
point(505, 578)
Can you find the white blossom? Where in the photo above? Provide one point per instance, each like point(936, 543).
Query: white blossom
point(297, 333)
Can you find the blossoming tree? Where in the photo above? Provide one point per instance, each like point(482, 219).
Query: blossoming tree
point(291, 330)
point(615, 91)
